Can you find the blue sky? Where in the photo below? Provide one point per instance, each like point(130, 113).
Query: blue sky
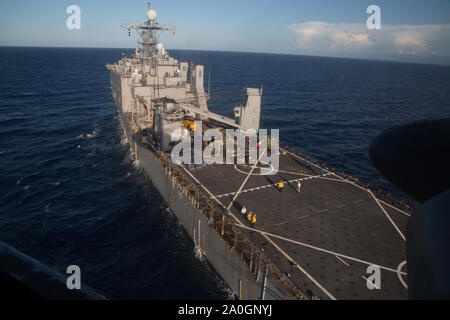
point(414, 30)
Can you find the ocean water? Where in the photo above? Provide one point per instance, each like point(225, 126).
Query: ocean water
point(72, 193)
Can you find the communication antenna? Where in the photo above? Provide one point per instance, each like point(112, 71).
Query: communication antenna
point(149, 33)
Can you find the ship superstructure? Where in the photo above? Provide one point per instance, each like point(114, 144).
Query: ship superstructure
point(160, 92)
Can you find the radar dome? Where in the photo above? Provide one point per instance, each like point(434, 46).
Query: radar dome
point(159, 46)
point(151, 14)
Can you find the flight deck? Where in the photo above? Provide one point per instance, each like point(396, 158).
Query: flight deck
point(324, 236)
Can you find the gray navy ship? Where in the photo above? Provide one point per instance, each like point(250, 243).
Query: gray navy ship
point(306, 232)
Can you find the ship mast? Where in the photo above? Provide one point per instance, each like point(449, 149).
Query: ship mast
point(149, 32)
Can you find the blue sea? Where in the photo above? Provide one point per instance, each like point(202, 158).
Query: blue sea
point(72, 193)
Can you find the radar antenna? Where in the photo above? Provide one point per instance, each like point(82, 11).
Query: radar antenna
point(149, 32)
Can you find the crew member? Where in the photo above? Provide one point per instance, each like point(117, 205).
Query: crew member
point(244, 210)
point(299, 186)
point(254, 219)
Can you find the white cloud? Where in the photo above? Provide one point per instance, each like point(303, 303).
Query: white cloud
point(333, 36)
point(352, 39)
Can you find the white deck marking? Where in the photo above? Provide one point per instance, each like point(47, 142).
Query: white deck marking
point(399, 269)
point(301, 269)
point(389, 218)
point(367, 190)
point(203, 186)
point(304, 174)
point(371, 193)
point(240, 224)
point(351, 182)
point(389, 205)
point(256, 174)
point(321, 249)
point(273, 243)
point(284, 222)
point(342, 260)
point(266, 186)
point(315, 165)
point(266, 234)
point(245, 181)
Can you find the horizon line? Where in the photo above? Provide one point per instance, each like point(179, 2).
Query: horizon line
point(235, 51)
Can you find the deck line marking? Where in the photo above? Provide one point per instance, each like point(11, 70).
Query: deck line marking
point(331, 179)
point(321, 249)
point(367, 190)
point(308, 176)
point(201, 184)
point(389, 205)
point(284, 222)
point(315, 165)
point(296, 173)
point(266, 234)
point(399, 268)
point(305, 174)
point(266, 186)
point(351, 182)
point(240, 224)
point(342, 205)
point(390, 219)
point(246, 179)
point(301, 269)
point(212, 196)
point(342, 260)
point(384, 202)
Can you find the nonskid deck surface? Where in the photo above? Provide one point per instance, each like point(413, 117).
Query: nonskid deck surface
point(323, 237)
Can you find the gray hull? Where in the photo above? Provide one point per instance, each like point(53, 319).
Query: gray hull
point(246, 284)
